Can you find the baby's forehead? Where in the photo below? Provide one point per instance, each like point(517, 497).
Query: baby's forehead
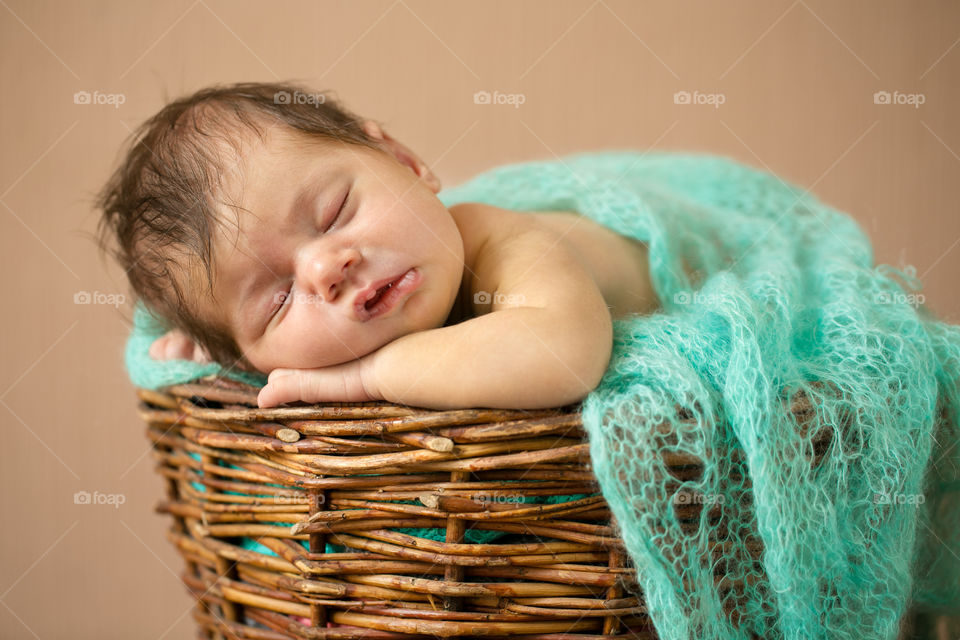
point(257, 166)
point(242, 172)
point(266, 159)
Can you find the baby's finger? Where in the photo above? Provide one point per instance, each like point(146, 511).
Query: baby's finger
point(270, 396)
point(289, 385)
point(158, 348)
point(200, 355)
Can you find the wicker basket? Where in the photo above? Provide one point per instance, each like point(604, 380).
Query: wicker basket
point(342, 478)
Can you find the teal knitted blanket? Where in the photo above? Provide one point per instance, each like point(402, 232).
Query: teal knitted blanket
point(765, 292)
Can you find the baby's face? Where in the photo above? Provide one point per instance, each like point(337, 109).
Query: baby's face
point(320, 224)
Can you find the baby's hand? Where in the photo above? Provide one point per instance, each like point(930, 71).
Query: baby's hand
point(347, 382)
point(176, 345)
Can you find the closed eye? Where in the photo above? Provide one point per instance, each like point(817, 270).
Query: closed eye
point(283, 297)
point(343, 206)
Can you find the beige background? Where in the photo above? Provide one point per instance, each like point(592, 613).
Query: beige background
point(797, 78)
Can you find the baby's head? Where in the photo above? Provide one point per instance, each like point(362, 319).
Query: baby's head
point(255, 217)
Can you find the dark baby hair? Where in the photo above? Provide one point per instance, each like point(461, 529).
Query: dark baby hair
point(159, 206)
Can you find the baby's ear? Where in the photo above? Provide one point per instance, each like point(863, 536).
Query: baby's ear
point(403, 154)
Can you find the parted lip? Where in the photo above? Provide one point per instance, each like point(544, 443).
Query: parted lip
point(369, 291)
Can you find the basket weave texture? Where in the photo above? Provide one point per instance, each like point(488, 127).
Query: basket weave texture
point(300, 522)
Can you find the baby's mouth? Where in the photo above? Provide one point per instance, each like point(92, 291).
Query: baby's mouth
point(387, 296)
point(369, 304)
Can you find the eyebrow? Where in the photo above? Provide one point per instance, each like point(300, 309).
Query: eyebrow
point(307, 194)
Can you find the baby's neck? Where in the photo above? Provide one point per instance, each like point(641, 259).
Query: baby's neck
point(476, 225)
point(461, 309)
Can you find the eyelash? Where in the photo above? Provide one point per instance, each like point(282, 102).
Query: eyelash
point(286, 295)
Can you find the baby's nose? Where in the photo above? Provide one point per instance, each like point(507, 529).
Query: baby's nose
point(326, 273)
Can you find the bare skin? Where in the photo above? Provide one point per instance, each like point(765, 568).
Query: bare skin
point(582, 268)
point(529, 327)
point(617, 264)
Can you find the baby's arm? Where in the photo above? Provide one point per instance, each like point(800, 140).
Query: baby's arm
point(546, 341)
point(518, 358)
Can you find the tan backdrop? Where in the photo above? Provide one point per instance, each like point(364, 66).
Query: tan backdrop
point(786, 86)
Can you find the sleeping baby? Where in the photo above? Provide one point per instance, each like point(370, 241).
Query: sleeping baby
point(293, 238)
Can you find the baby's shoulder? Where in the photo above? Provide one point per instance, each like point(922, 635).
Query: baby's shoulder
point(507, 250)
point(518, 254)
point(488, 231)
point(478, 220)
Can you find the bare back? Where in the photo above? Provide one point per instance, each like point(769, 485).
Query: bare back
point(617, 264)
